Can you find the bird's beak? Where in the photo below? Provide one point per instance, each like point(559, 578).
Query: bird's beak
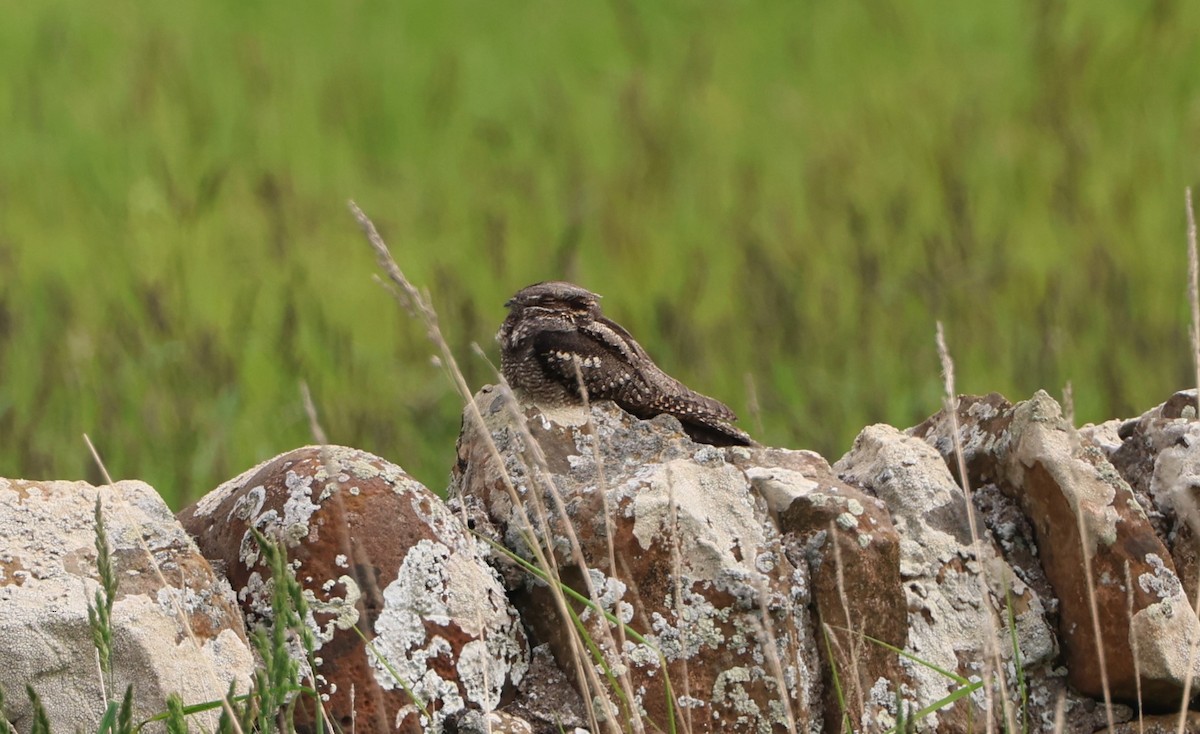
point(509, 303)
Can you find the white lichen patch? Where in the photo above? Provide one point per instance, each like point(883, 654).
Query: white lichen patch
point(713, 535)
point(438, 588)
point(248, 551)
point(248, 506)
point(908, 473)
point(1162, 582)
point(298, 509)
point(1177, 474)
point(740, 710)
point(343, 609)
point(433, 514)
point(255, 598)
point(562, 415)
point(214, 500)
point(692, 628)
point(609, 593)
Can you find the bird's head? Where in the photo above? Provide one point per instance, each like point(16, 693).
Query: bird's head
point(555, 296)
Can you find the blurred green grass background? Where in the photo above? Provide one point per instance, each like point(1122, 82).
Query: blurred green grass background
point(783, 195)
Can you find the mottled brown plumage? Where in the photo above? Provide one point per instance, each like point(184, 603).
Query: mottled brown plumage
point(554, 326)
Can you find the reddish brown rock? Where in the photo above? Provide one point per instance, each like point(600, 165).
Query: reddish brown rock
point(1076, 502)
point(848, 541)
point(700, 576)
point(373, 550)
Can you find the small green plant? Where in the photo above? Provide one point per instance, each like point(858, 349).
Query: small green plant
point(100, 613)
point(6, 726)
point(176, 720)
point(278, 684)
point(1018, 660)
point(118, 719)
point(41, 722)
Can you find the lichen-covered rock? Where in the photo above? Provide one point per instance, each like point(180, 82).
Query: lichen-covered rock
point(48, 575)
point(374, 550)
point(946, 604)
point(846, 540)
point(492, 722)
point(1158, 453)
point(546, 698)
point(1077, 504)
point(699, 571)
point(1159, 724)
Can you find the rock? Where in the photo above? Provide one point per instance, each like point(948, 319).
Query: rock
point(847, 541)
point(374, 550)
point(946, 605)
point(1064, 485)
point(48, 575)
point(546, 699)
point(1160, 724)
point(1159, 455)
point(493, 722)
point(701, 576)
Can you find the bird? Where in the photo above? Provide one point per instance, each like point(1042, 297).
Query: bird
point(555, 337)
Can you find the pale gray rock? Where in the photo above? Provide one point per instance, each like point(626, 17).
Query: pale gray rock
point(946, 603)
point(48, 575)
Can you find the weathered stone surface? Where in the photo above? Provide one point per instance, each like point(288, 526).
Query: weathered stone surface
point(48, 575)
point(946, 604)
point(848, 542)
point(376, 550)
point(1159, 724)
point(1064, 486)
point(1159, 455)
point(700, 569)
point(493, 722)
point(546, 698)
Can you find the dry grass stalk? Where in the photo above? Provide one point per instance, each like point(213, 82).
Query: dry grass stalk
point(1133, 644)
point(1060, 711)
point(418, 304)
point(367, 582)
point(857, 640)
point(1086, 544)
point(310, 409)
point(677, 590)
point(753, 408)
point(766, 632)
point(541, 473)
point(617, 645)
point(993, 661)
point(1194, 289)
point(1194, 301)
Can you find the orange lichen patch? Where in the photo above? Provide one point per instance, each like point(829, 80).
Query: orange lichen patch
point(19, 486)
point(12, 573)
